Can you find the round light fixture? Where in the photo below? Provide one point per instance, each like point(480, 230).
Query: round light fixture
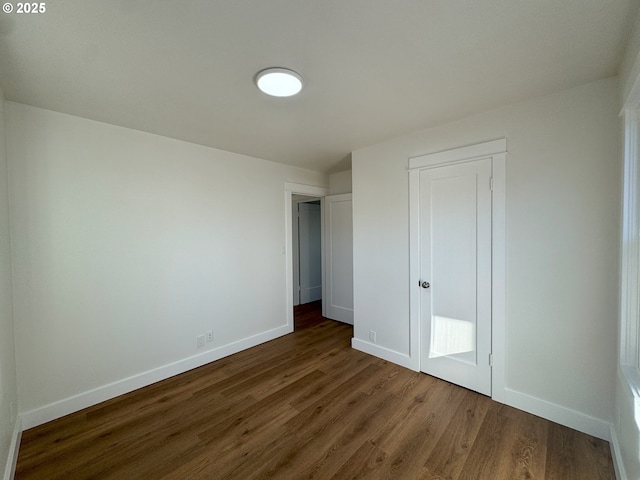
point(279, 82)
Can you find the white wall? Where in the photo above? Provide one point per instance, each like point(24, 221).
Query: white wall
point(563, 195)
point(8, 389)
point(340, 183)
point(630, 67)
point(129, 245)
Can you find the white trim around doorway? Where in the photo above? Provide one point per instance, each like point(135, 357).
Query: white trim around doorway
point(291, 189)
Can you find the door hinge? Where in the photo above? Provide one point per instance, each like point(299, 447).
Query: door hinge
point(491, 359)
point(491, 183)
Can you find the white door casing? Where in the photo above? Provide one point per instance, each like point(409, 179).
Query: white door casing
point(338, 291)
point(295, 250)
point(492, 155)
point(291, 189)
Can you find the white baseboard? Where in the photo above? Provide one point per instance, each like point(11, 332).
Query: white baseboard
point(393, 356)
point(86, 399)
point(311, 294)
point(12, 458)
point(616, 455)
point(556, 413)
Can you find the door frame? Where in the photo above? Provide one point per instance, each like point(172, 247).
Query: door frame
point(495, 150)
point(295, 244)
point(291, 189)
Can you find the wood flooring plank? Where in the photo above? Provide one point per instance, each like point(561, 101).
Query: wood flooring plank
point(234, 446)
point(123, 441)
point(296, 447)
point(575, 455)
point(324, 434)
point(258, 414)
point(488, 455)
point(275, 367)
point(277, 378)
point(262, 463)
point(434, 399)
point(529, 443)
point(362, 464)
point(594, 457)
point(508, 446)
point(561, 459)
point(409, 448)
point(236, 433)
point(449, 455)
point(320, 445)
point(372, 415)
point(335, 376)
point(335, 400)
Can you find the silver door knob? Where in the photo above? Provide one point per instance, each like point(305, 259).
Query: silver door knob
point(425, 284)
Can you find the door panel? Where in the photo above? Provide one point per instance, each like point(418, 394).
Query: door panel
point(455, 258)
point(339, 258)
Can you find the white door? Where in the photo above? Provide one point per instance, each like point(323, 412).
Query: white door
point(338, 220)
point(310, 251)
point(455, 274)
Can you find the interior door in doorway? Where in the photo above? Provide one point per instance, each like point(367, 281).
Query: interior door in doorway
point(338, 291)
point(455, 273)
point(310, 251)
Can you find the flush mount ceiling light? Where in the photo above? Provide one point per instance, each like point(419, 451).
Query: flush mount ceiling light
point(279, 82)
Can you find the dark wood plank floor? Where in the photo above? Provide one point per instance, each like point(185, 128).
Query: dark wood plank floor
point(307, 406)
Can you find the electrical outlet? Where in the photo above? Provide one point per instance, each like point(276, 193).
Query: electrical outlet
point(12, 410)
point(372, 336)
point(200, 341)
point(210, 336)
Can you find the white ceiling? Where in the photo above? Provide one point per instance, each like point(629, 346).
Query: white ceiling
point(373, 69)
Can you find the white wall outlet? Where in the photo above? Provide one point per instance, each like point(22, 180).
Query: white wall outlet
point(200, 341)
point(210, 336)
point(372, 336)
